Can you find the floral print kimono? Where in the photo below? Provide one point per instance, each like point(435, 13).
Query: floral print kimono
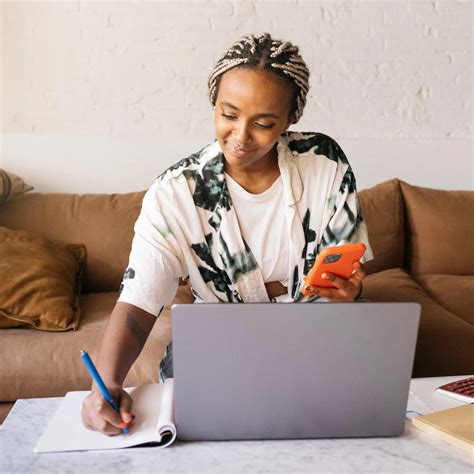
point(189, 229)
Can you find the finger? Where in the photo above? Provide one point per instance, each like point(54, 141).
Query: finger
point(106, 428)
point(357, 278)
point(88, 412)
point(359, 272)
point(93, 419)
point(126, 404)
point(331, 293)
point(310, 290)
point(87, 424)
point(108, 414)
point(337, 281)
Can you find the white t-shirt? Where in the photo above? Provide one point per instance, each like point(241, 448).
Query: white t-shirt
point(264, 227)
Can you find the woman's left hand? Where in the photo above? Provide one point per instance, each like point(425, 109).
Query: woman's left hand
point(346, 290)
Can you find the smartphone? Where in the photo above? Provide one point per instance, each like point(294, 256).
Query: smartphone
point(337, 260)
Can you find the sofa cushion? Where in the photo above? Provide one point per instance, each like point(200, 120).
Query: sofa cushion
point(103, 222)
point(39, 282)
point(382, 208)
point(445, 340)
point(440, 230)
point(44, 364)
point(453, 292)
point(11, 186)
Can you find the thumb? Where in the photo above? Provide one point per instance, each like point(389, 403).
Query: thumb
point(126, 404)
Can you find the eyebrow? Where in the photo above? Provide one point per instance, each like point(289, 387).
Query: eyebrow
point(231, 106)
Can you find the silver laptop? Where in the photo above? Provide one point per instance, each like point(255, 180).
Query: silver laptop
point(284, 371)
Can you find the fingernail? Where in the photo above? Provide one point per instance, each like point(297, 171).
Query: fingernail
point(326, 276)
point(127, 417)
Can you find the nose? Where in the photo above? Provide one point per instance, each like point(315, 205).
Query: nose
point(242, 134)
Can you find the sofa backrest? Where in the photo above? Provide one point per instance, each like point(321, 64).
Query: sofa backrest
point(440, 230)
point(103, 222)
point(382, 208)
point(435, 236)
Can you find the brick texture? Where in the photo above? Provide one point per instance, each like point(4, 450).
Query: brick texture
point(399, 70)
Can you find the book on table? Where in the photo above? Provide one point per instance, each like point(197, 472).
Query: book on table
point(154, 425)
point(454, 426)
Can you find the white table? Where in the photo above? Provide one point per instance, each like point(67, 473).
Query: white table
point(414, 451)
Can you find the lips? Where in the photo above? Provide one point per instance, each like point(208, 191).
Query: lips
point(237, 151)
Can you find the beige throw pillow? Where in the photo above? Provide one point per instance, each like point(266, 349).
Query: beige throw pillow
point(11, 186)
point(382, 208)
point(441, 230)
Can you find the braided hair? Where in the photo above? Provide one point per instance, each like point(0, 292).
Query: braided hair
point(264, 53)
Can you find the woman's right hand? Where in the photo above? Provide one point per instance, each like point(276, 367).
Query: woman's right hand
point(98, 415)
point(128, 327)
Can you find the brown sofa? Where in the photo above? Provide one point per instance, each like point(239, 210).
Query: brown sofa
point(423, 247)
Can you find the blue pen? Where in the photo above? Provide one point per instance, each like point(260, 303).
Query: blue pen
point(98, 381)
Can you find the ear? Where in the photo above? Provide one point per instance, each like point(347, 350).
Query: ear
point(290, 122)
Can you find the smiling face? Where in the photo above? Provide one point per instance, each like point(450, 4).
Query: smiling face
point(252, 110)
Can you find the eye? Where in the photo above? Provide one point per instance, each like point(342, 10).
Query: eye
point(265, 125)
point(229, 117)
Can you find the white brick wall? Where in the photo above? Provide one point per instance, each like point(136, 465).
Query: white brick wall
point(102, 96)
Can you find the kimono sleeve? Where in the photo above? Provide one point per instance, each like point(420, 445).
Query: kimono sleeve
point(151, 279)
point(345, 222)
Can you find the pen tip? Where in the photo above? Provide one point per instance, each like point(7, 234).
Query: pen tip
point(83, 352)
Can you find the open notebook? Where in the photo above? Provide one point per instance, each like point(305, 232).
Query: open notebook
point(154, 424)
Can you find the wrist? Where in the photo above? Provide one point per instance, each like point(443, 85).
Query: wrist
point(359, 293)
point(113, 391)
point(110, 381)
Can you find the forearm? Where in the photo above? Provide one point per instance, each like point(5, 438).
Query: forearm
point(123, 339)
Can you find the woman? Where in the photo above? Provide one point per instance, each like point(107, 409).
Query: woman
point(243, 219)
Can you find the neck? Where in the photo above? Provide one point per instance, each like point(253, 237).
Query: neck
point(260, 176)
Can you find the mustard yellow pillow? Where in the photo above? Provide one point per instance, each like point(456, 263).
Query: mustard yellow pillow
point(11, 186)
point(39, 281)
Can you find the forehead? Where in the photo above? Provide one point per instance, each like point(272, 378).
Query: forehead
point(259, 90)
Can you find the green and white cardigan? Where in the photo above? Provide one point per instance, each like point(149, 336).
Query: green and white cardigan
point(189, 229)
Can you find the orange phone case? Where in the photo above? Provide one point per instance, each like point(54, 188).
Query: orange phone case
point(338, 260)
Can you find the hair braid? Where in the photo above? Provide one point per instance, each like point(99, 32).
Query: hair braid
point(265, 53)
